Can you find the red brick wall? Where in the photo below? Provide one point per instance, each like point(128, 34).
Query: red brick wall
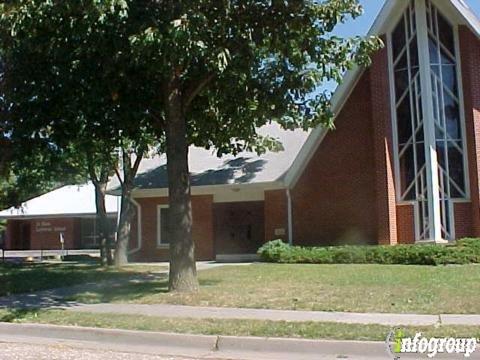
point(405, 224)
point(463, 219)
point(276, 216)
point(12, 230)
point(203, 234)
point(470, 56)
point(334, 200)
point(45, 233)
point(383, 149)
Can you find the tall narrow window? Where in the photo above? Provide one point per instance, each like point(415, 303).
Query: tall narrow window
point(446, 111)
point(162, 226)
point(419, 113)
point(409, 117)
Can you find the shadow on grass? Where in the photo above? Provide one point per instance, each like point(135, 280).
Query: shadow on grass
point(209, 282)
point(18, 314)
point(121, 292)
point(29, 278)
point(129, 292)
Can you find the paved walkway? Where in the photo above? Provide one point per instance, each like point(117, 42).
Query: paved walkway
point(198, 312)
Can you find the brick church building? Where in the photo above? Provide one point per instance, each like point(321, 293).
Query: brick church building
point(401, 167)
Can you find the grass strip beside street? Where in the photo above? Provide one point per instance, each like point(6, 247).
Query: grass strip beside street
point(304, 330)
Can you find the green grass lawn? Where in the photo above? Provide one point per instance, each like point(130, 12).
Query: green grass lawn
point(353, 288)
point(306, 330)
point(24, 278)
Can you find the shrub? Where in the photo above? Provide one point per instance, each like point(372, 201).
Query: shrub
point(465, 251)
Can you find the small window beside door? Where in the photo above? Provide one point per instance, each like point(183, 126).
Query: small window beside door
point(162, 226)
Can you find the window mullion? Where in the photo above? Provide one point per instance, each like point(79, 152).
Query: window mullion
point(434, 213)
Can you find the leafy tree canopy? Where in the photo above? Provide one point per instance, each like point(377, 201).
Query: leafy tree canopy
point(241, 63)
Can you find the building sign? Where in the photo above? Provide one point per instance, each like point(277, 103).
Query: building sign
point(47, 227)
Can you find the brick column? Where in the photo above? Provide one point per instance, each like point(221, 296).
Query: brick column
point(382, 135)
point(275, 207)
point(470, 56)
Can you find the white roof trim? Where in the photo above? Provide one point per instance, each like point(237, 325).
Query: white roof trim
point(381, 25)
point(468, 15)
point(210, 189)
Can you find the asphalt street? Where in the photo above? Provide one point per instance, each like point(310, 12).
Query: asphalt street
point(18, 351)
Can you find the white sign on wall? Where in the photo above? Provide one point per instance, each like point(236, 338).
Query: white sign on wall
point(46, 226)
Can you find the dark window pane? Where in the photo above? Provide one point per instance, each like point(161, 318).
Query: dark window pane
point(446, 58)
point(401, 83)
point(444, 213)
point(446, 33)
point(450, 77)
point(164, 226)
point(439, 133)
point(455, 166)
point(412, 16)
point(452, 117)
point(407, 169)
point(398, 38)
point(414, 53)
point(441, 154)
point(436, 115)
point(433, 49)
point(402, 62)
point(420, 155)
point(404, 121)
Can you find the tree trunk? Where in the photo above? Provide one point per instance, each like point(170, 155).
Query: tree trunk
point(183, 272)
point(102, 223)
point(124, 229)
point(126, 211)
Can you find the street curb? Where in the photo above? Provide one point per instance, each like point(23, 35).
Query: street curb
point(289, 348)
point(125, 337)
point(186, 344)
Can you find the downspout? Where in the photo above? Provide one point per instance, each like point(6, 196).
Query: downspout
point(139, 228)
point(290, 217)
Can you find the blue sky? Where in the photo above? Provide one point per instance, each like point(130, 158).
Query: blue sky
point(361, 25)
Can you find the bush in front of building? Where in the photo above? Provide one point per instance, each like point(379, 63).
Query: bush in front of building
point(465, 251)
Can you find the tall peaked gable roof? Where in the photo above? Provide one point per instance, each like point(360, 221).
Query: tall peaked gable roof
point(458, 11)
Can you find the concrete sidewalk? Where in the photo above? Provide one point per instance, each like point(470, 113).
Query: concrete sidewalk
point(198, 312)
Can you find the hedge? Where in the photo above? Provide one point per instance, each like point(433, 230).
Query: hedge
point(465, 251)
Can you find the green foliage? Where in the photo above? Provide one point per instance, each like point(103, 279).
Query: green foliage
point(465, 251)
point(36, 169)
point(241, 65)
point(68, 80)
